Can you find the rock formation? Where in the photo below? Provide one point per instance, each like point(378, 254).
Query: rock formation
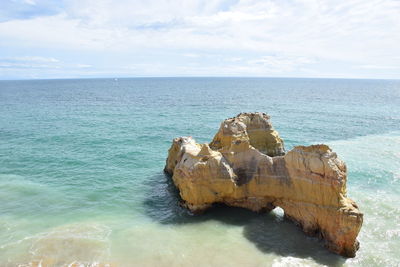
point(246, 166)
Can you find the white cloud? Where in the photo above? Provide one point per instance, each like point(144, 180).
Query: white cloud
point(83, 66)
point(296, 33)
point(281, 63)
point(34, 59)
point(38, 63)
point(27, 62)
point(378, 67)
point(234, 59)
point(191, 55)
point(30, 2)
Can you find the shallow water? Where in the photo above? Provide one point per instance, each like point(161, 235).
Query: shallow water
point(81, 170)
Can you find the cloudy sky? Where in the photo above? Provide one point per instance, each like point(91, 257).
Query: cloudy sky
point(131, 38)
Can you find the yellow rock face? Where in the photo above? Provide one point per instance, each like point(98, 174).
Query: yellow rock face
point(254, 127)
point(246, 166)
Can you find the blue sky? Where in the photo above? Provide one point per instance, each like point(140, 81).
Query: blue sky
point(263, 38)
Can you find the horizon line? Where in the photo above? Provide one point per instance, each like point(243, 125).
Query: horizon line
point(183, 77)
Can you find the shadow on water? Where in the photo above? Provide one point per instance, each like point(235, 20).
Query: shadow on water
point(270, 233)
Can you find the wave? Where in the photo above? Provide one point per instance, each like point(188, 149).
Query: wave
point(79, 244)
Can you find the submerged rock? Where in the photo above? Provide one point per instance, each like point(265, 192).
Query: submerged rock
point(245, 165)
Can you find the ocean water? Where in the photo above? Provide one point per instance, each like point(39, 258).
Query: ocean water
point(81, 165)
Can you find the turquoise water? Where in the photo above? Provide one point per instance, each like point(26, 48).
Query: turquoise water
point(81, 169)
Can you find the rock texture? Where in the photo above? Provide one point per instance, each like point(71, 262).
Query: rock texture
point(246, 166)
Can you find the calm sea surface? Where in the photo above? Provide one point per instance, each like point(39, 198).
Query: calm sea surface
point(81, 170)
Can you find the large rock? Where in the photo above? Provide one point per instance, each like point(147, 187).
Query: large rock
point(246, 166)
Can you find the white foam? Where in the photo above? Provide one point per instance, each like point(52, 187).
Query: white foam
point(293, 262)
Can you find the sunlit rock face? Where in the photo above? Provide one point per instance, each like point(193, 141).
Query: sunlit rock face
point(245, 165)
point(253, 127)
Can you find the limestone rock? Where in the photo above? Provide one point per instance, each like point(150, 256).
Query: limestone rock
point(255, 127)
point(246, 166)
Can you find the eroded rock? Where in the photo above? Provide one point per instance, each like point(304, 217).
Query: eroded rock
point(246, 166)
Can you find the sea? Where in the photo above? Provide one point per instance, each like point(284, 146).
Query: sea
point(82, 182)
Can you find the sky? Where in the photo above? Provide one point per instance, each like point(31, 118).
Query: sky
point(41, 39)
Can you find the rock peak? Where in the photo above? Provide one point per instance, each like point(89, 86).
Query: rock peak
point(254, 127)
